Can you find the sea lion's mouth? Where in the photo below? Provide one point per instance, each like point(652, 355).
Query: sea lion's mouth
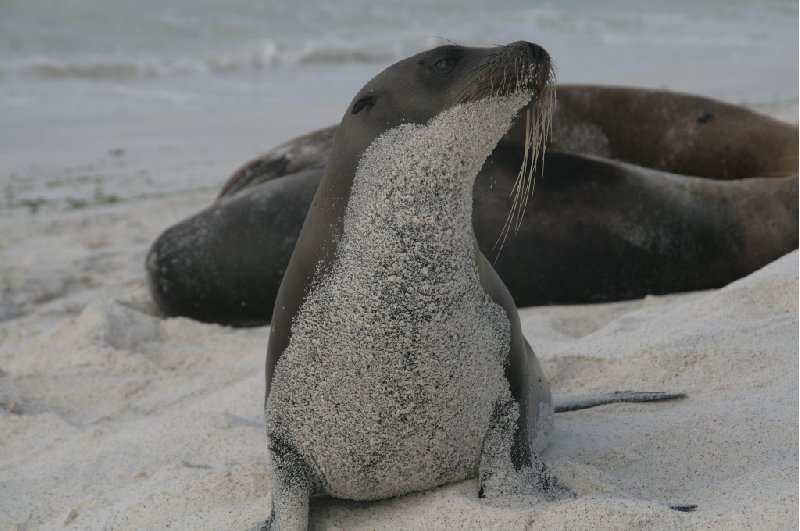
point(523, 69)
point(517, 68)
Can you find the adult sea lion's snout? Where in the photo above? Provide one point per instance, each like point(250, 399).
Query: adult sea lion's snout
point(504, 70)
point(536, 52)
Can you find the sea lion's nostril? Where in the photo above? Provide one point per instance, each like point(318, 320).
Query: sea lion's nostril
point(534, 51)
point(537, 52)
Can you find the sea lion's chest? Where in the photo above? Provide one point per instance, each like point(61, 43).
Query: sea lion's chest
point(393, 369)
point(391, 375)
point(396, 356)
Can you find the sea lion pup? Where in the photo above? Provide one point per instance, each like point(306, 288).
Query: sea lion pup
point(396, 361)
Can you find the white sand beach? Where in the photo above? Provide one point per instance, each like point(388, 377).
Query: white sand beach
point(114, 418)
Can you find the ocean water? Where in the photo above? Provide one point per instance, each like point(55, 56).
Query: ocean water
point(79, 56)
point(103, 101)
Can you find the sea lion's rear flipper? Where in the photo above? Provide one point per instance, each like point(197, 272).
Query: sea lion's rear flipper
point(508, 467)
point(573, 403)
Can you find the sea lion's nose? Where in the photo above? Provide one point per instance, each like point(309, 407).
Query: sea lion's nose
point(536, 52)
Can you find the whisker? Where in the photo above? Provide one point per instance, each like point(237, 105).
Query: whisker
point(538, 127)
point(445, 39)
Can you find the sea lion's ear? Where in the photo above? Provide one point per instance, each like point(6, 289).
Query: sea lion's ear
point(362, 103)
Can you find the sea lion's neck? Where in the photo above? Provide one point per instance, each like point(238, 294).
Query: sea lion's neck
point(404, 190)
point(414, 182)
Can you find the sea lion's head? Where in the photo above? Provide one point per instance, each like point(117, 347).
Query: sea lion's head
point(461, 101)
point(418, 88)
point(436, 116)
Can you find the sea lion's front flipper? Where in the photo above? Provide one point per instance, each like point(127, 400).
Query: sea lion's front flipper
point(508, 466)
point(292, 486)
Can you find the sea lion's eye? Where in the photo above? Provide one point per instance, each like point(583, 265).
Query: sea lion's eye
point(446, 64)
point(366, 101)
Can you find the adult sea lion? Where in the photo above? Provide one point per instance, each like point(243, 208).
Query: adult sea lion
point(659, 129)
point(602, 226)
point(396, 362)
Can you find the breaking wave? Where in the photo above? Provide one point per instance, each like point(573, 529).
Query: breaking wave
point(259, 57)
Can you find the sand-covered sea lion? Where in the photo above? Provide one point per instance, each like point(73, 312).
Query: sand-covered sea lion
point(396, 361)
point(611, 218)
point(393, 339)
